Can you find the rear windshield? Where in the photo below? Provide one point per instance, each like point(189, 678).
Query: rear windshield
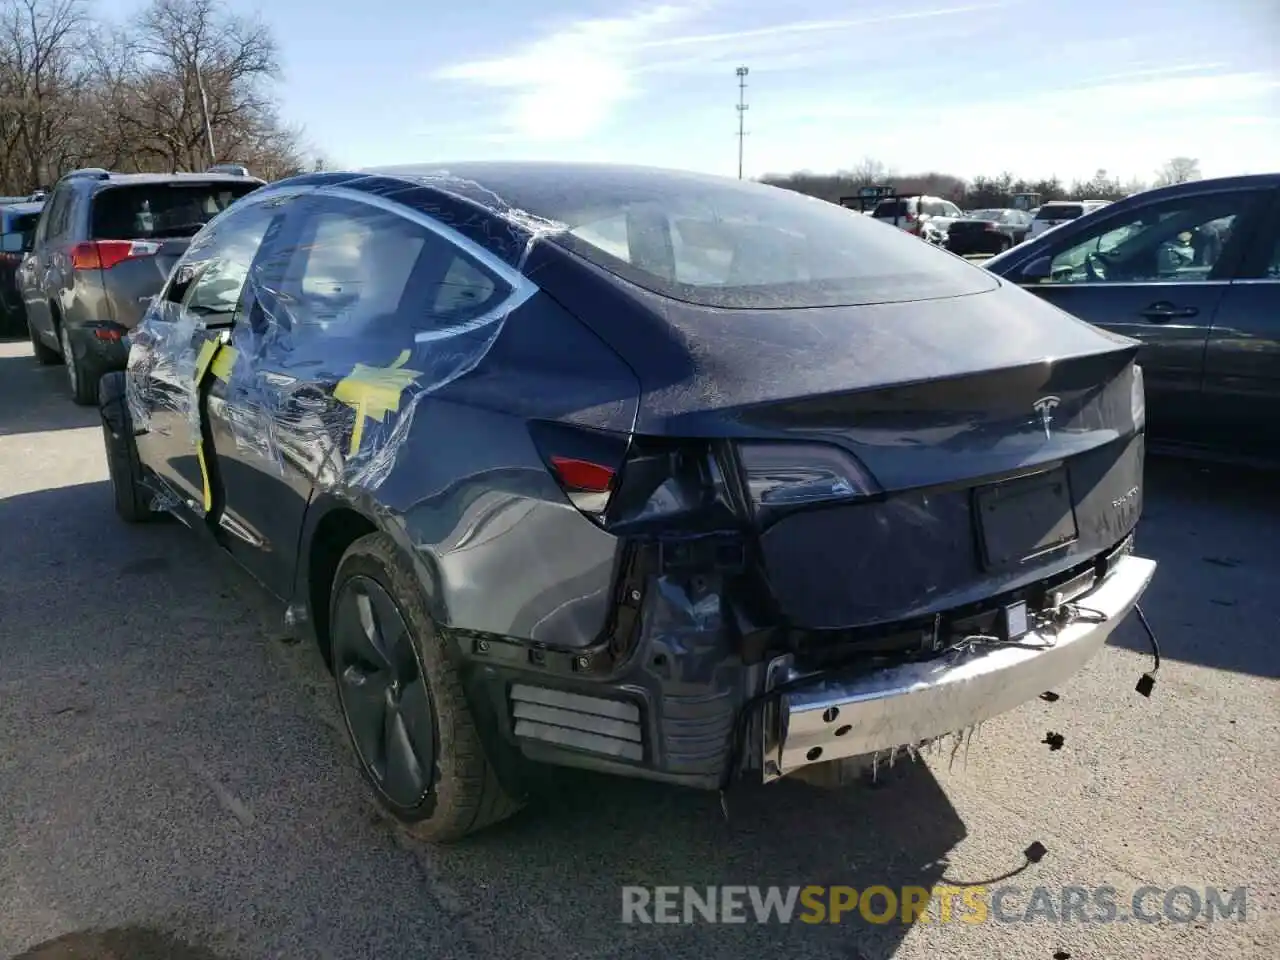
point(895, 208)
point(730, 244)
point(161, 210)
point(1068, 211)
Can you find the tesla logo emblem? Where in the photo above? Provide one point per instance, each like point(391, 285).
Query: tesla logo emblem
point(1045, 407)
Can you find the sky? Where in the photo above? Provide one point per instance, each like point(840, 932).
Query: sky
point(1034, 87)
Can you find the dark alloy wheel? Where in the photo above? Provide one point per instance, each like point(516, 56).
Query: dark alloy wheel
point(384, 697)
point(402, 698)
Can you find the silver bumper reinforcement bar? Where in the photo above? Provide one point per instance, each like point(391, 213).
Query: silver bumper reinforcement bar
point(919, 702)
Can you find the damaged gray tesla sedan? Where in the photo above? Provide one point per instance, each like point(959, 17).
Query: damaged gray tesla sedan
point(654, 473)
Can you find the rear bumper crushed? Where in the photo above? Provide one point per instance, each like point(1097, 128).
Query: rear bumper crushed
point(910, 705)
point(700, 722)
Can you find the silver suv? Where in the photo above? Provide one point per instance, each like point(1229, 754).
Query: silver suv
point(925, 217)
point(103, 248)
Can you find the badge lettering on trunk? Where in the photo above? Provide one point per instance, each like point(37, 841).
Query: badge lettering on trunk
point(1045, 407)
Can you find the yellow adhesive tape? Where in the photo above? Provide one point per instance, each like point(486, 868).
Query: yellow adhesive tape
point(373, 392)
point(223, 363)
point(207, 359)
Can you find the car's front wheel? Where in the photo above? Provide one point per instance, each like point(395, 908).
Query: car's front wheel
point(403, 701)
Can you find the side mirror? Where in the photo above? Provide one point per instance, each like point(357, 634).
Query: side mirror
point(1038, 269)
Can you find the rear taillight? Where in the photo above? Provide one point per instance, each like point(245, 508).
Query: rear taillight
point(105, 254)
point(585, 463)
point(781, 475)
point(629, 482)
point(588, 485)
point(1138, 399)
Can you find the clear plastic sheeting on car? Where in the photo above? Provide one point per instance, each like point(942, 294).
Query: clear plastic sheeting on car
point(309, 341)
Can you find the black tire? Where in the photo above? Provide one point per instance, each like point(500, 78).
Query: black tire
point(453, 790)
point(132, 500)
point(82, 377)
point(1005, 244)
point(45, 356)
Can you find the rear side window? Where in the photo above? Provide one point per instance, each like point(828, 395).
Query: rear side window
point(1067, 211)
point(357, 267)
point(749, 246)
point(895, 208)
point(22, 226)
point(158, 210)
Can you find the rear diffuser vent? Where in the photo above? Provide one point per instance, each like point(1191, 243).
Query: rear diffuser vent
point(607, 727)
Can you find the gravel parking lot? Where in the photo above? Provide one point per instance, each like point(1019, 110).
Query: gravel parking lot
point(170, 772)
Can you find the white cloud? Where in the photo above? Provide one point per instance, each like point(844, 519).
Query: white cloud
point(1127, 127)
point(566, 85)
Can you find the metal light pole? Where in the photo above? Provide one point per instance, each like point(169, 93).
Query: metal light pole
point(742, 113)
point(208, 124)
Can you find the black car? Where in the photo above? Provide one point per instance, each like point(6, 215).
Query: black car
point(103, 247)
point(666, 475)
point(17, 225)
point(1192, 272)
point(988, 231)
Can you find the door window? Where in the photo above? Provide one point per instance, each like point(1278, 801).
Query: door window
point(53, 214)
point(209, 280)
point(1175, 241)
point(358, 269)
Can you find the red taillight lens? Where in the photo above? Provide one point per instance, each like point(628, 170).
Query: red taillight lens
point(585, 463)
point(105, 254)
point(583, 476)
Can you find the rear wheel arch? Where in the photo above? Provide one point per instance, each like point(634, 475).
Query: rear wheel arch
point(331, 527)
point(335, 531)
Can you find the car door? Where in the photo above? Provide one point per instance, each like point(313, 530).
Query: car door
point(1242, 358)
point(170, 359)
point(1135, 273)
point(335, 325)
point(35, 266)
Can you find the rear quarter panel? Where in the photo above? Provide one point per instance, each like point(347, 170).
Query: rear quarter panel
point(471, 501)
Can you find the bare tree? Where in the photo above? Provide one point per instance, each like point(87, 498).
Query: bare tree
point(202, 77)
point(41, 80)
point(1178, 170)
point(869, 173)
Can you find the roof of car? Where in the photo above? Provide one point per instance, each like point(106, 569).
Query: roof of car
point(21, 208)
point(129, 179)
point(504, 187)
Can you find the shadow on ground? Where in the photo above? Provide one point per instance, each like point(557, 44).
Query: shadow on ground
point(124, 943)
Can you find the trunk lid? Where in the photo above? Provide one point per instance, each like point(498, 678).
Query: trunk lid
point(998, 435)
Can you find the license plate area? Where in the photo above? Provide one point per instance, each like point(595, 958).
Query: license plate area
point(1021, 519)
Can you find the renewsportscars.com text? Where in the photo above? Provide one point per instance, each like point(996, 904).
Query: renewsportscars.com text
point(941, 904)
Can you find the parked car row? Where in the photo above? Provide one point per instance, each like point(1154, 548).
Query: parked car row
point(986, 231)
